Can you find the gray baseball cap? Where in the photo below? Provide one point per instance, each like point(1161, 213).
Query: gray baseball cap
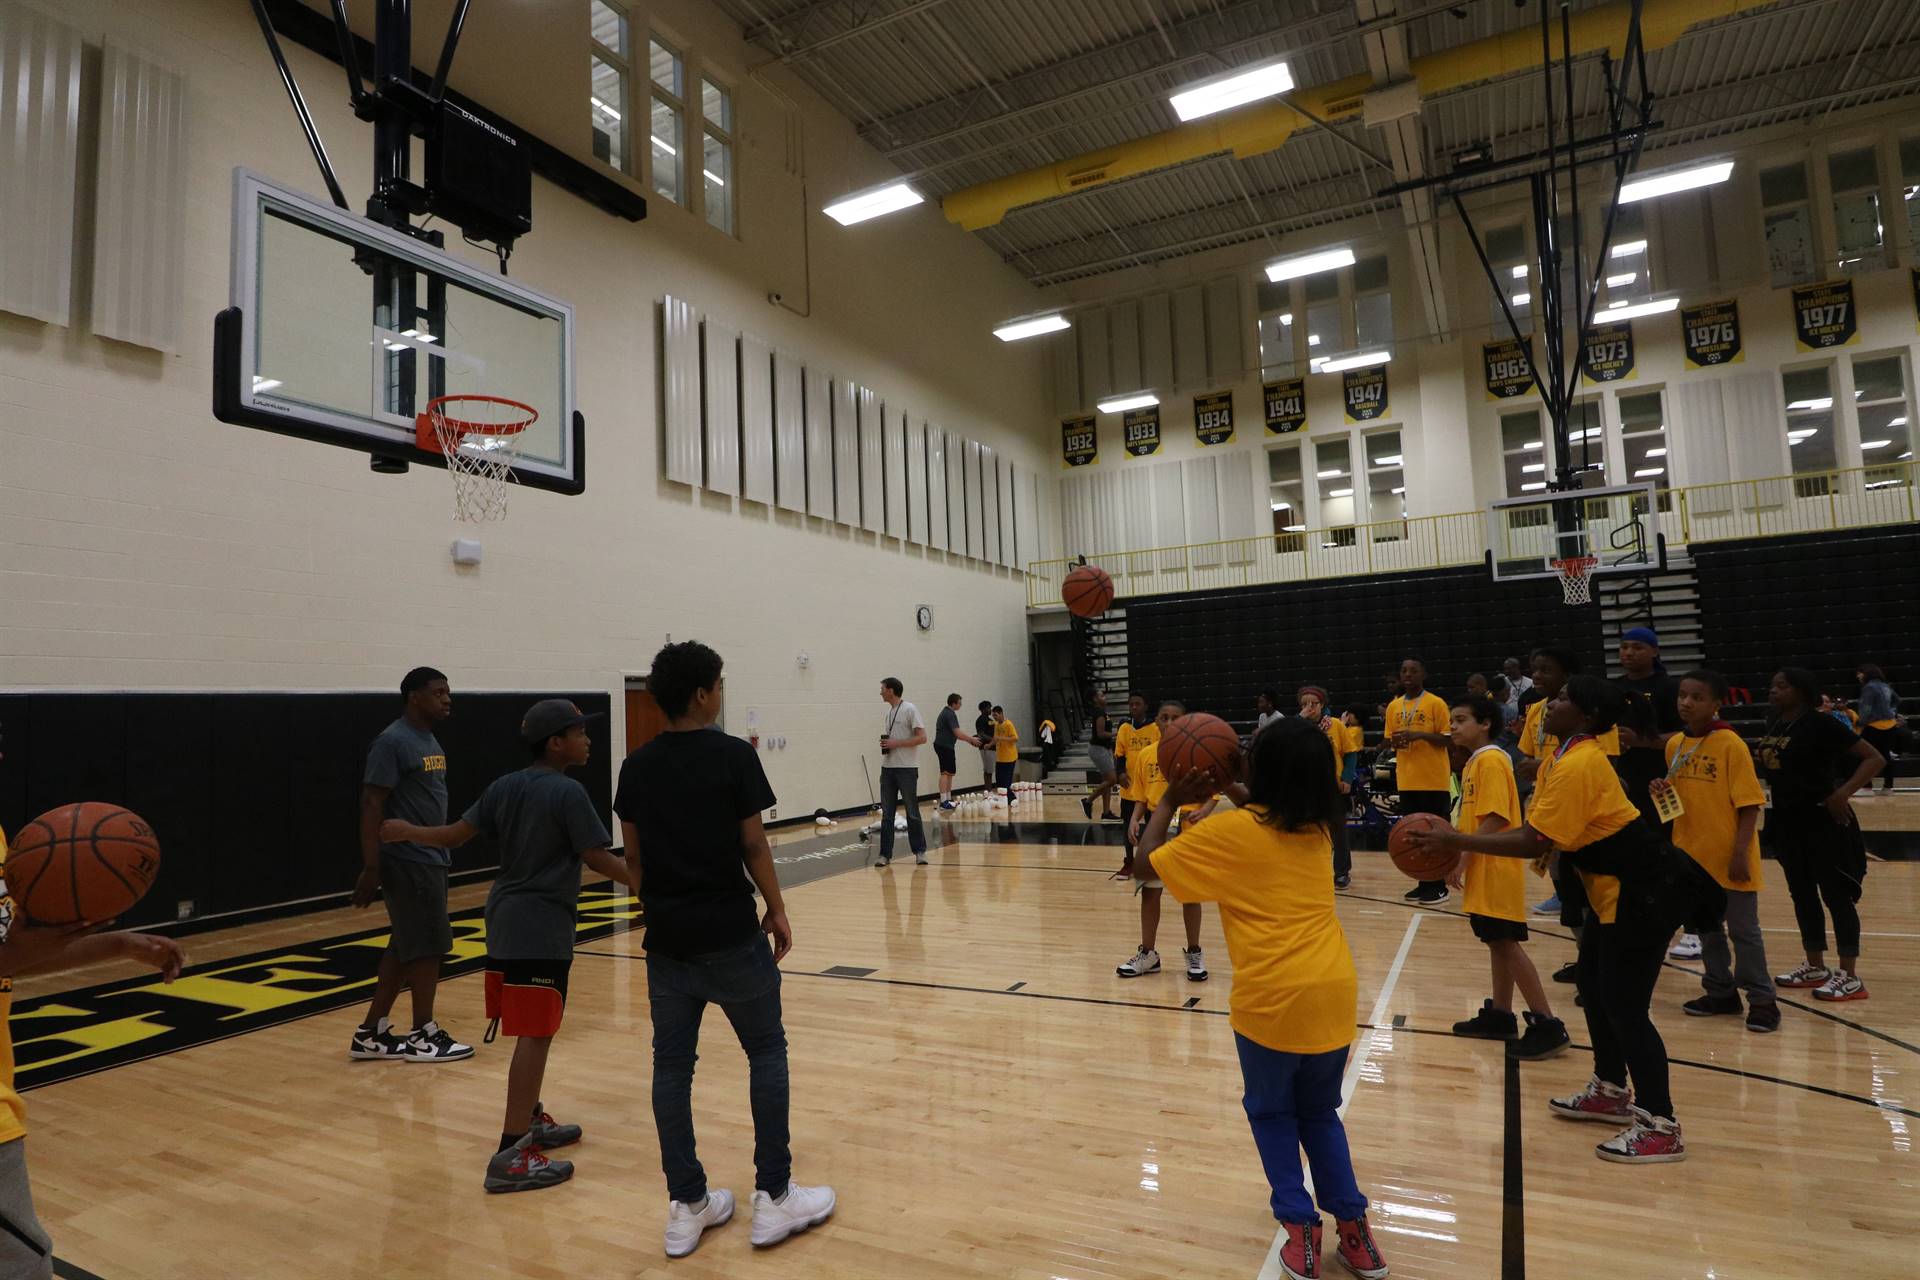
point(550, 716)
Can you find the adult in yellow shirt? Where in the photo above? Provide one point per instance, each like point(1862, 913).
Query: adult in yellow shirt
point(1640, 889)
point(1268, 864)
point(1149, 784)
point(1006, 752)
point(26, 1251)
point(1710, 772)
point(1422, 769)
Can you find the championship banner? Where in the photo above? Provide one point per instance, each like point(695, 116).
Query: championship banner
point(1365, 392)
point(1509, 368)
point(1079, 442)
point(1823, 315)
point(1142, 430)
point(1711, 333)
point(1213, 418)
point(1609, 352)
point(1287, 404)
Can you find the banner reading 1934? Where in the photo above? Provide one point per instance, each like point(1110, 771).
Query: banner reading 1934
point(1711, 333)
point(1213, 418)
point(1079, 442)
point(1509, 369)
point(1365, 392)
point(1824, 315)
point(1609, 356)
point(1286, 405)
point(1142, 427)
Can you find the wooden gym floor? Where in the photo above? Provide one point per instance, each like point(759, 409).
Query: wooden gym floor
point(989, 1099)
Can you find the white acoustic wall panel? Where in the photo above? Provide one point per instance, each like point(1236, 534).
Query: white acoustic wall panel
point(1189, 336)
point(1203, 509)
point(1169, 507)
point(789, 434)
point(1109, 515)
point(846, 453)
point(1224, 351)
point(817, 389)
point(139, 232)
point(917, 480)
point(893, 442)
point(1123, 328)
point(756, 420)
point(1096, 358)
point(937, 512)
point(680, 376)
point(1237, 513)
point(39, 158)
point(1066, 374)
point(720, 396)
point(1047, 492)
point(1026, 518)
point(956, 449)
point(1156, 341)
point(873, 488)
point(976, 519)
point(1008, 552)
point(1076, 515)
point(990, 502)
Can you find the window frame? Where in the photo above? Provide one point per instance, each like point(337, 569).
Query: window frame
point(622, 66)
point(1817, 481)
point(1805, 205)
point(1902, 464)
point(1288, 537)
point(664, 95)
point(726, 136)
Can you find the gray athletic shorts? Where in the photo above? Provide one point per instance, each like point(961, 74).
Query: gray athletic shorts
point(987, 760)
point(1102, 760)
point(31, 1257)
point(416, 897)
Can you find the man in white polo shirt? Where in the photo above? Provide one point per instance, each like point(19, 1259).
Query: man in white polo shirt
point(900, 740)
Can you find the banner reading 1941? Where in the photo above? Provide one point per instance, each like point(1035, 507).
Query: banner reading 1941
point(1286, 405)
point(1142, 430)
point(1365, 392)
point(1079, 442)
point(1824, 315)
point(1609, 352)
point(1509, 369)
point(1213, 418)
point(1711, 333)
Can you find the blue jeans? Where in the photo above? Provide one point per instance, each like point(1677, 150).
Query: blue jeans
point(745, 983)
point(900, 787)
point(1291, 1101)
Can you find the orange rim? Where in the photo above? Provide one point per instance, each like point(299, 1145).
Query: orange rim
point(426, 437)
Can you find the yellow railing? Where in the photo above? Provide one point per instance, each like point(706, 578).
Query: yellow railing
point(1814, 502)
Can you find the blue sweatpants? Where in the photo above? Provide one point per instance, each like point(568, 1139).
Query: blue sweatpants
point(1291, 1101)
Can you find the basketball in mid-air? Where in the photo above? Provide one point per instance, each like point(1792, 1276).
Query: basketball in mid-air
point(1200, 741)
point(82, 862)
point(1421, 864)
point(1087, 591)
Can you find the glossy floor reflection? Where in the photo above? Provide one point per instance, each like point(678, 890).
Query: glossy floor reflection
point(990, 1100)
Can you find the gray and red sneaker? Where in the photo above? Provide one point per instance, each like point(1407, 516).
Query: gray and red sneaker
point(1300, 1255)
point(548, 1133)
point(1651, 1140)
point(1358, 1253)
point(1598, 1101)
point(523, 1167)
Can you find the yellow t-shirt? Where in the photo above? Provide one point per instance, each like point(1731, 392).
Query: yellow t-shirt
point(1005, 742)
point(1715, 780)
point(13, 1112)
point(1535, 741)
point(1356, 738)
point(1420, 766)
point(1294, 988)
point(1128, 739)
point(1150, 785)
point(1336, 738)
point(1578, 800)
point(1496, 887)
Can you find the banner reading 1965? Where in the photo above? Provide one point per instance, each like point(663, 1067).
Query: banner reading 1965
point(1609, 352)
point(1286, 405)
point(1079, 442)
point(1213, 417)
point(1824, 316)
point(1509, 369)
point(1142, 430)
point(1365, 392)
point(1711, 332)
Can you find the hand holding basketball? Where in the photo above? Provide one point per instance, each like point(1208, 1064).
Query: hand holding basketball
point(1422, 846)
point(1200, 743)
point(1196, 786)
point(82, 864)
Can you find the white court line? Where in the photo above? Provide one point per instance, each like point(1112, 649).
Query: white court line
point(1270, 1270)
point(1864, 933)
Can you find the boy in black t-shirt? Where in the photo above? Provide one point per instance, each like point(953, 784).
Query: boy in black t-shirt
point(689, 804)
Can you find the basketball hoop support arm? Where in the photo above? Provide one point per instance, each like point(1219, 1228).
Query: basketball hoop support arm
point(292, 86)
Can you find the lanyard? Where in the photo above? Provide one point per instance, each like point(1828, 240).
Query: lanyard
point(890, 719)
point(1572, 742)
point(1540, 730)
point(1673, 770)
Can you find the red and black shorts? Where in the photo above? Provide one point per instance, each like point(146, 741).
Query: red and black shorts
point(526, 997)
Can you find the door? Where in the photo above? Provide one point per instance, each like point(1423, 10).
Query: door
point(645, 720)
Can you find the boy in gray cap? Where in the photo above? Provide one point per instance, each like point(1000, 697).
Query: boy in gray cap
point(545, 826)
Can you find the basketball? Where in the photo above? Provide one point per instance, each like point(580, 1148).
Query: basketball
point(1421, 864)
point(1200, 741)
point(82, 862)
point(1087, 591)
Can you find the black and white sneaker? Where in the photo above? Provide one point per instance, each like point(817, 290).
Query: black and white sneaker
point(1432, 897)
point(431, 1043)
point(1413, 894)
point(370, 1044)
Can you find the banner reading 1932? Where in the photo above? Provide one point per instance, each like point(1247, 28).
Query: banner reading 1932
point(1609, 356)
point(1509, 369)
point(1213, 417)
point(1711, 332)
point(1079, 442)
point(1824, 316)
point(1142, 430)
point(1365, 392)
point(1286, 405)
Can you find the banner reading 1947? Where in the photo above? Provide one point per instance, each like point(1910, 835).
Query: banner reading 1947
point(1365, 392)
point(1609, 356)
point(1142, 428)
point(1079, 442)
point(1213, 418)
point(1711, 332)
point(1509, 369)
point(1824, 315)
point(1286, 405)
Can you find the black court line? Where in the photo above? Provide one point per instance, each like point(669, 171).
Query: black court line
point(1016, 986)
point(68, 1271)
point(1399, 1021)
point(1513, 1194)
point(1191, 1002)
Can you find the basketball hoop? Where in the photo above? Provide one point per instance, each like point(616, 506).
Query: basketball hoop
point(480, 445)
point(1576, 577)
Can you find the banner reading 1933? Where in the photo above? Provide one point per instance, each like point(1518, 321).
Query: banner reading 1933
point(1365, 392)
point(1079, 442)
point(1711, 332)
point(1142, 428)
point(1286, 405)
point(1609, 356)
point(1509, 369)
point(1213, 417)
point(1824, 316)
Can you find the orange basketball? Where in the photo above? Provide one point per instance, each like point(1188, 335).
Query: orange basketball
point(82, 862)
point(1087, 591)
point(1421, 864)
point(1200, 741)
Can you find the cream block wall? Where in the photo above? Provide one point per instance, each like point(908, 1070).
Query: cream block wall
point(144, 545)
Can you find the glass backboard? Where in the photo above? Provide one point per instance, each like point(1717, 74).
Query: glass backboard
point(1618, 526)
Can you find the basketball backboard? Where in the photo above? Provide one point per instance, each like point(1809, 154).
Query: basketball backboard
point(340, 330)
point(1618, 526)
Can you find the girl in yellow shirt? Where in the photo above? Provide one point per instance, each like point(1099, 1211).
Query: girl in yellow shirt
point(1639, 890)
point(1269, 865)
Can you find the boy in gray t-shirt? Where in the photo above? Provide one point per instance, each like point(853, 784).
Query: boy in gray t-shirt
point(544, 825)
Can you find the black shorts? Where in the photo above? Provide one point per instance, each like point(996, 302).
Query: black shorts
point(416, 898)
point(1003, 773)
point(948, 763)
point(526, 997)
point(1494, 929)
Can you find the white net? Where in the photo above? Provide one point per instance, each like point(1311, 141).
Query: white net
point(480, 438)
point(1576, 578)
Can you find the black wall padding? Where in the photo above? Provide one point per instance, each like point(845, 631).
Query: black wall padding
point(1824, 602)
point(255, 796)
point(1218, 650)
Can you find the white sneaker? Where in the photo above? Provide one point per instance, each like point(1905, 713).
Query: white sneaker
point(1143, 963)
point(1196, 965)
point(1688, 948)
point(803, 1207)
point(1841, 985)
point(686, 1224)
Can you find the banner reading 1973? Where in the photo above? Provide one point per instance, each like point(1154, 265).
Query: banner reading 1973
point(1824, 315)
point(1365, 392)
point(1609, 354)
point(1509, 369)
point(1213, 417)
point(1142, 427)
point(1286, 405)
point(1711, 334)
point(1079, 442)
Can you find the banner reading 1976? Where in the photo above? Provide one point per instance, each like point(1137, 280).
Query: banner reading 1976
point(1079, 442)
point(1509, 369)
point(1711, 333)
point(1609, 354)
point(1213, 417)
point(1286, 405)
point(1365, 392)
point(1824, 315)
point(1142, 428)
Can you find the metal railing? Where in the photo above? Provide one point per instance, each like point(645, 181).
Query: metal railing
point(1777, 506)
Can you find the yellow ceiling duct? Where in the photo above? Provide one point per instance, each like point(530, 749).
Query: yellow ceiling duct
point(1263, 126)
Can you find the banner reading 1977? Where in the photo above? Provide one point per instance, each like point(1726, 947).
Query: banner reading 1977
point(1142, 428)
point(1824, 315)
point(1213, 417)
point(1286, 405)
point(1509, 369)
point(1079, 442)
point(1365, 392)
point(1609, 353)
point(1711, 334)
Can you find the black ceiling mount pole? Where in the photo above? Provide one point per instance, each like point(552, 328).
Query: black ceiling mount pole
point(299, 105)
point(394, 296)
point(454, 28)
point(356, 88)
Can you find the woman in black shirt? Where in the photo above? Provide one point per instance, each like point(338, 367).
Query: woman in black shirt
point(1812, 831)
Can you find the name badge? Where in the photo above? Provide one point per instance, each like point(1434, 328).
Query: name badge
point(1666, 801)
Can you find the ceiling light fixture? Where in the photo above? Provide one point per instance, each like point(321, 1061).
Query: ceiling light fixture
point(1628, 249)
point(1360, 360)
point(1671, 180)
point(1014, 330)
point(1633, 310)
point(1307, 264)
point(1120, 404)
point(1235, 88)
point(890, 198)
